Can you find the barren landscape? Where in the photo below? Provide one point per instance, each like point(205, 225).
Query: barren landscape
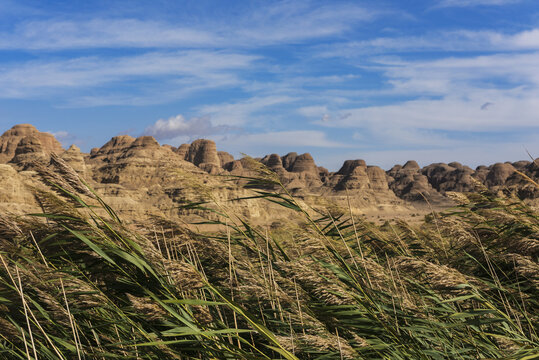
point(269, 179)
point(142, 179)
point(147, 251)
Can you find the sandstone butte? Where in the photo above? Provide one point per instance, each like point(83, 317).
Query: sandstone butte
point(142, 179)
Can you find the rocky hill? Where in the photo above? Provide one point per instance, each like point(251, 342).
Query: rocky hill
point(129, 171)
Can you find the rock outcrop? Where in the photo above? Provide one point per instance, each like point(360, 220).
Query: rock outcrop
point(408, 183)
point(76, 159)
point(112, 149)
point(182, 150)
point(498, 174)
point(377, 178)
point(11, 138)
point(29, 149)
point(304, 163)
point(203, 152)
point(135, 162)
point(301, 175)
point(450, 177)
point(224, 158)
point(352, 176)
point(129, 172)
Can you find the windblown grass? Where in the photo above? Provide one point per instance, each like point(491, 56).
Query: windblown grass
point(77, 283)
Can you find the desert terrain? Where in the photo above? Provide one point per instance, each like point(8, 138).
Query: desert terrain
point(146, 251)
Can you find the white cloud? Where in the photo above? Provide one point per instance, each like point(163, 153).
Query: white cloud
point(451, 113)
point(482, 94)
point(193, 69)
point(460, 75)
point(104, 33)
point(525, 40)
point(296, 21)
point(469, 3)
point(178, 126)
point(445, 41)
point(276, 23)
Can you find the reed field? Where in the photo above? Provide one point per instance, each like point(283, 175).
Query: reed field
point(78, 283)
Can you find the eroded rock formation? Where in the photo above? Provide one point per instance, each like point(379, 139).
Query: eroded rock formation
point(131, 171)
point(10, 140)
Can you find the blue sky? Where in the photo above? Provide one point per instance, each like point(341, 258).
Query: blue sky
point(385, 81)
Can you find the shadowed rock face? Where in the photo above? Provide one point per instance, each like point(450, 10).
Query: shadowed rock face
point(182, 150)
point(411, 165)
point(456, 165)
point(145, 142)
point(481, 173)
point(234, 167)
point(224, 158)
point(203, 152)
point(28, 145)
point(324, 174)
point(437, 173)
point(113, 148)
point(349, 166)
point(450, 177)
point(355, 180)
point(304, 163)
point(521, 165)
point(274, 161)
point(145, 148)
point(408, 183)
point(377, 178)
point(352, 176)
point(28, 149)
point(288, 160)
point(11, 138)
point(75, 159)
point(498, 174)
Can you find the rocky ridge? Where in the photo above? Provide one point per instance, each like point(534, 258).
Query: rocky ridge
point(129, 171)
point(32, 141)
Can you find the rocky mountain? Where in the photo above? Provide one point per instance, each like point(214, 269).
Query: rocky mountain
point(141, 178)
point(24, 138)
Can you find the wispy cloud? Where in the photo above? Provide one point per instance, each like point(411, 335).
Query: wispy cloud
point(458, 75)
point(477, 94)
point(292, 74)
point(197, 69)
point(468, 3)
point(445, 41)
point(447, 114)
point(242, 112)
point(103, 33)
point(293, 21)
point(274, 23)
